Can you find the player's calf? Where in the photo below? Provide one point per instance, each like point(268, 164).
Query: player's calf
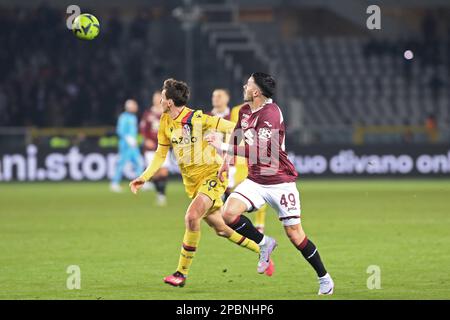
point(309, 251)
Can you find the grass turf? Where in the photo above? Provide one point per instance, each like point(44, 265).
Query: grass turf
point(124, 244)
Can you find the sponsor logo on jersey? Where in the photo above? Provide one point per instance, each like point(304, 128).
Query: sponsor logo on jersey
point(186, 130)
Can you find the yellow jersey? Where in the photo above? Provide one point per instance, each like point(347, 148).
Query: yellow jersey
point(185, 134)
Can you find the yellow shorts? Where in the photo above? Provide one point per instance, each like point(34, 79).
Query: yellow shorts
point(211, 186)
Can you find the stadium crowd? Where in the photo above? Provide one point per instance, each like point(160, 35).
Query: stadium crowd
point(49, 78)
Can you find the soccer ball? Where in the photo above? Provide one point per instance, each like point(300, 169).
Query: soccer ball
point(86, 26)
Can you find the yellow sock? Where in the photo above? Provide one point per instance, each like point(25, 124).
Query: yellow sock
point(244, 242)
point(190, 244)
point(260, 216)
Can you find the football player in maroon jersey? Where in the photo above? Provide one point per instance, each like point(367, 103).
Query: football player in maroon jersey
point(271, 176)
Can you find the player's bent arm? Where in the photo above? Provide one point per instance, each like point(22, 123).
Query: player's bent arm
point(158, 160)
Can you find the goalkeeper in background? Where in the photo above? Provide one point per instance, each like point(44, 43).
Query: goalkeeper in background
point(127, 130)
point(239, 170)
point(184, 129)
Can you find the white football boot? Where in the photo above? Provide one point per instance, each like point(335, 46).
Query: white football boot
point(326, 285)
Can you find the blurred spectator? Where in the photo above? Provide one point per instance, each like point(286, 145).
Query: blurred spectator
point(51, 78)
point(431, 127)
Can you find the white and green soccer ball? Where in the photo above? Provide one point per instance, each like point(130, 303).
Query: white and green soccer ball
point(86, 26)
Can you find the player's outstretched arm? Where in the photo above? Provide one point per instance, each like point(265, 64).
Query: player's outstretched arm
point(158, 160)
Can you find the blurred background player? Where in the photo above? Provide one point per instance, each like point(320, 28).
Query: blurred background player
point(219, 100)
point(127, 130)
point(237, 172)
point(149, 126)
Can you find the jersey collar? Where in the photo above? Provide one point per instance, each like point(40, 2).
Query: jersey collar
point(263, 105)
point(182, 112)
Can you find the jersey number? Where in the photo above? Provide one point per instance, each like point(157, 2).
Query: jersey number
point(290, 198)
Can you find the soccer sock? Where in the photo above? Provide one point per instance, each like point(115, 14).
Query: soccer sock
point(310, 253)
point(244, 242)
point(160, 185)
point(260, 216)
point(190, 244)
point(245, 227)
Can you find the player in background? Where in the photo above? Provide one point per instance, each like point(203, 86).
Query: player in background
point(238, 170)
point(219, 100)
point(149, 126)
point(127, 130)
point(271, 177)
point(184, 130)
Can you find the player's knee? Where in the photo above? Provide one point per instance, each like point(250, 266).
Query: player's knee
point(192, 220)
point(295, 234)
point(228, 216)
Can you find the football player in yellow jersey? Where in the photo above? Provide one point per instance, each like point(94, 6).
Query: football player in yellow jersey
point(238, 173)
point(184, 129)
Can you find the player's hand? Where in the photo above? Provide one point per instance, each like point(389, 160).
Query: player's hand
point(223, 169)
point(150, 144)
point(214, 140)
point(136, 184)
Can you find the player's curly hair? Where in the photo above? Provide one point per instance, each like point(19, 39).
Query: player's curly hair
point(265, 82)
point(176, 90)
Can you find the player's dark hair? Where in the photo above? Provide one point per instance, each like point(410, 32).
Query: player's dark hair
point(265, 82)
point(176, 90)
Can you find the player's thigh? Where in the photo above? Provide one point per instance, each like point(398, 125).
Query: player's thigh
point(125, 155)
point(248, 192)
point(135, 155)
point(215, 221)
point(233, 208)
point(122, 156)
point(213, 188)
point(285, 199)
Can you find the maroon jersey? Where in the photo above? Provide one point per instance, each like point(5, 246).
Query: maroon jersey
point(149, 126)
point(263, 131)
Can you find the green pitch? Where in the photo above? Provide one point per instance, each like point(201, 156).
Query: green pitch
point(124, 244)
